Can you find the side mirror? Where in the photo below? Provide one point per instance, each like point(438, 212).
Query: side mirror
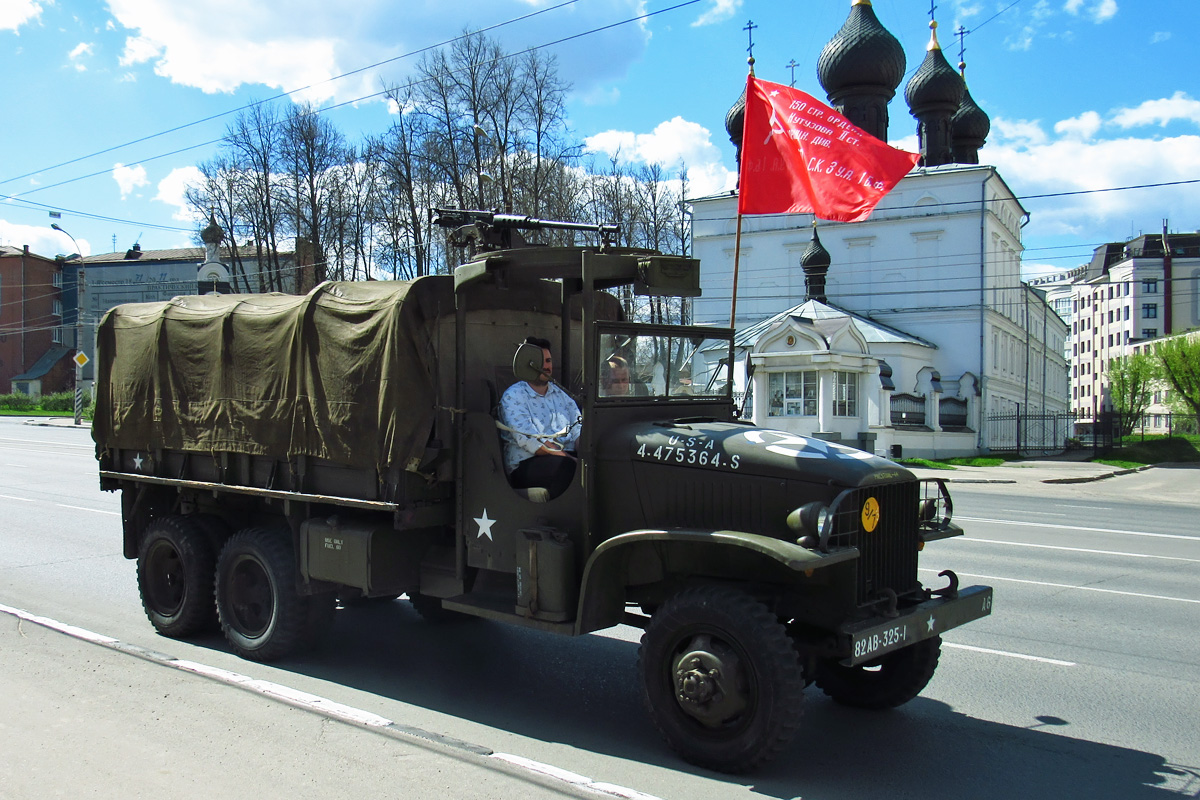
point(527, 362)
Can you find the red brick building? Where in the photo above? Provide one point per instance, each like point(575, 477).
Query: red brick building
point(33, 347)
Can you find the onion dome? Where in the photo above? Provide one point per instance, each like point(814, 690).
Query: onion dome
point(934, 95)
point(815, 261)
point(970, 127)
point(213, 233)
point(860, 68)
point(735, 119)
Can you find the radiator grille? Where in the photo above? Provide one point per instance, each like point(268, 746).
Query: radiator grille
point(887, 553)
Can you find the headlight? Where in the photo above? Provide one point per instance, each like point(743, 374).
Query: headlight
point(808, 521)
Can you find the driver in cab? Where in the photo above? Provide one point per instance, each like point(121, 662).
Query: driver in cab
point(535, 410)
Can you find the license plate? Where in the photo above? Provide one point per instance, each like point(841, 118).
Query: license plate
point(871, 639)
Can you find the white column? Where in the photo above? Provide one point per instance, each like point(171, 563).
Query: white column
point(825, 387)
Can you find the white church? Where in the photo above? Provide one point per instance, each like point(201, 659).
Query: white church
point(910, 333)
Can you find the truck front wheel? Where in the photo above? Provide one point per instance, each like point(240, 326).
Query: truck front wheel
point(886, 682)
point(262, 616)
point(175, 576)
point(721, 678)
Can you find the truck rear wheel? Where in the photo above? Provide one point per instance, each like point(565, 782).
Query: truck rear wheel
point(262, 616)
point(720, 678)
point(886, 682)
point(175, 576)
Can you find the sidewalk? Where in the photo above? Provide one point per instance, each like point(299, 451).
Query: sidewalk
point(59, 422)
point(1031, 471)
point(1064, 470)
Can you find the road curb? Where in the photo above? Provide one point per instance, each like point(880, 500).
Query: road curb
point(1094, 478)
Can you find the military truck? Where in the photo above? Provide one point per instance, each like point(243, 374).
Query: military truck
point(275, 453)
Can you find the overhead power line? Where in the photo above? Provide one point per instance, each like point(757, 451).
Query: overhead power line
point(352, 101)
point(288, 93)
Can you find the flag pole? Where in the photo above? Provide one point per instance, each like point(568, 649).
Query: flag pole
point(737, 237)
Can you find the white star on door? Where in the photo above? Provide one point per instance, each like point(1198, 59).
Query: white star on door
point(485, 526)
point(137, 462)
point(930, 622)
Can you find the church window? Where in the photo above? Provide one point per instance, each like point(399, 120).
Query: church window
point(793, 394)
point(845, 399)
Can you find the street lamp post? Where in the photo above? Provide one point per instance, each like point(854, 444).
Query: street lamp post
point(79, 289)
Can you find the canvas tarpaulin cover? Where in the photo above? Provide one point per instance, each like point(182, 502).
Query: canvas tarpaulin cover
point(345, 373)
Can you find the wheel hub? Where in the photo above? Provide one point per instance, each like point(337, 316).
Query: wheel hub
point(707, 681)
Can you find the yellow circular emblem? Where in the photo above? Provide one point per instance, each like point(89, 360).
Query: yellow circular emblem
point(870, 514)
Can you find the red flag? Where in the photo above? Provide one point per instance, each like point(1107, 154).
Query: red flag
point(801, 156)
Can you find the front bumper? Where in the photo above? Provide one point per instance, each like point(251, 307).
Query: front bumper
point(872, 638)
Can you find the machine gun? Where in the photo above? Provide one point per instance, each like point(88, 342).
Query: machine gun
point(488, 230)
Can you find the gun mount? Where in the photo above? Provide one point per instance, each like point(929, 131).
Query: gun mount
point(488, 230)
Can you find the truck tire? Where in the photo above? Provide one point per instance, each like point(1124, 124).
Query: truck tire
point(721, 678)
point(175, 566)
point(886, 682)
point(262, 616)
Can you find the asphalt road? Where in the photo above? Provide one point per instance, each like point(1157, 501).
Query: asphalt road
point(1085, 682)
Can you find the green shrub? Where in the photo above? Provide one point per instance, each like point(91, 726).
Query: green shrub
point(17, 402)
point(61, 401)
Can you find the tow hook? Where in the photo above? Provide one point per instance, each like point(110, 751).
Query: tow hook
point(950, 591)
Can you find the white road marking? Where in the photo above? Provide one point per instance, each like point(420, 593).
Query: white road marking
point(17, 466)
point(1089, 508)
point(10, 497)
point(1077, 528)
point(49, 443)
point(327, 707)
point(1007, 654)
point(1073, 586)
point(82, 508)
point(965, 540)
point(1027, 511)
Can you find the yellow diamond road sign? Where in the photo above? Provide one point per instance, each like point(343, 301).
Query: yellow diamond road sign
point(81, 358)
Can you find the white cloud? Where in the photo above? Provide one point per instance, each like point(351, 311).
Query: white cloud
point(1018, 133)
point(1085, 126)
point(719, 11)
point(15, 13)
point(672, 143)
point(304, 43)
point(138, 50)
point(41, 239)
point(1178, 106)
point(1071, 164)
point(1160, 36)
point(1098, 10)
point(172, 191)
point(77, 53)
point(129, 178)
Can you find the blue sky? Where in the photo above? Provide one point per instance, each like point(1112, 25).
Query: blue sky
point(1083, 94)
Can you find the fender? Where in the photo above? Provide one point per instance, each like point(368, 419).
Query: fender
point(602, 592)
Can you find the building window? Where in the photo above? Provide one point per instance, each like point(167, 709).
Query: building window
point(793, 394)
point(56, 334)
point(1126, 337)
point(1110, 342)
point(1126, 312)
point(845, 398)
point(1150, 286)
point(1110, 316)
point(57, 308)
point(1149, 310)
point(58, 278)
point(1149, 333)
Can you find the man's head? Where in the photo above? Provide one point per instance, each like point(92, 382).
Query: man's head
point(614, 379)
point(547, 362)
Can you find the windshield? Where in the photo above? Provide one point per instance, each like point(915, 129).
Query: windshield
point(659, 361)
